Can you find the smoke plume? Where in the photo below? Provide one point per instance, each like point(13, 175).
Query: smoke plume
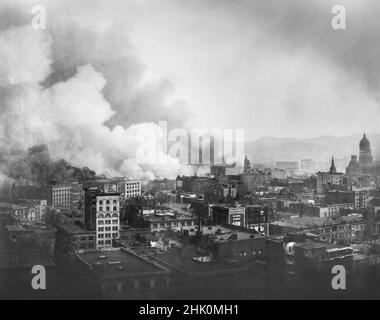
point(74, 95)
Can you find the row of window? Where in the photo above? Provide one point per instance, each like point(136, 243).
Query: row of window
point(114, 221)
point(108, 201)
point(173, 224)
point(136, 286)
point(114, 228)
point(89, 238)
point(104, 242)
point(114, 208)
point(62, 191)
point(254, 253)
point(108, 235)
point(108, 215)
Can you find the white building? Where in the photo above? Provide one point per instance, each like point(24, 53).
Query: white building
point(129, 188)
point(107, 220)
point(69, 195)
point(61, 195)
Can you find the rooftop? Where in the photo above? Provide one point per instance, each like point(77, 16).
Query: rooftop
point(27, 259)
point(119, 261)
point(168, 216)
point(73, 228)
point(306, 222)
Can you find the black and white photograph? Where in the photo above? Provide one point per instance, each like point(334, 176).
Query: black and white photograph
point(178, 151)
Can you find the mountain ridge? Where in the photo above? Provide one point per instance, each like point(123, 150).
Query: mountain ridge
point(322, 148)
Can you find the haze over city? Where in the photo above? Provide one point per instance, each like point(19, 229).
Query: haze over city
point(189, 149)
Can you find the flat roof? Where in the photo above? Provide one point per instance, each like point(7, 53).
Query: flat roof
point(27, 259)
point(74, 228)
point(310, 222)
point(14, 228)
point(180, 217)
point(119, 261)
point(196, 268)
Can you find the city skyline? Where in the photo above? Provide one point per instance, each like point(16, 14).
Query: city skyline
point(189, 150)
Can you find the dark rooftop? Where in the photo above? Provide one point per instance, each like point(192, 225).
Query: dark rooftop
point(119, 261)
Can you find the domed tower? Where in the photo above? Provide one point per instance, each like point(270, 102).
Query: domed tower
point(354, 168)
point(365, 158)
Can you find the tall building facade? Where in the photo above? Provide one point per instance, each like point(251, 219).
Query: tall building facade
point(128, 188)
point(328, 179)
point(102, 214)
point(61, 195)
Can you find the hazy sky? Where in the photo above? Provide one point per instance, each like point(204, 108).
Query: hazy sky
point(271, 67)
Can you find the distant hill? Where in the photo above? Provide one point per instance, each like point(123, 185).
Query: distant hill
point(271, 149)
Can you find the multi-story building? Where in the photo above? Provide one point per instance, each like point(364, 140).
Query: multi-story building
point(73, 238)
point(194, 184)
point(224, 214)
point(103, 215)
point(331, 179)
point(219, 170)
point(33, 212)
point(328, 211)
point(121, 274)
point(221, 193)
point(257, 218)
point(128, 188)
point(345, 230)
point(68, 195)
point(289, 166)
point(61, 195)
point(256, 178)
point(305, 256)
point(161, 221)
point(358, 198)
point(280, 174)
point(77, 197)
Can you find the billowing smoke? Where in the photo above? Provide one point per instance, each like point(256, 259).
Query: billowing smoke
point(35, 167)
point(77, 89)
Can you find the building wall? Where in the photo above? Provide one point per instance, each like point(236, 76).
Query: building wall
point(324, 179)
point(249, 248)
point(107, 220)
point(61, 195)
point(229, 215)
